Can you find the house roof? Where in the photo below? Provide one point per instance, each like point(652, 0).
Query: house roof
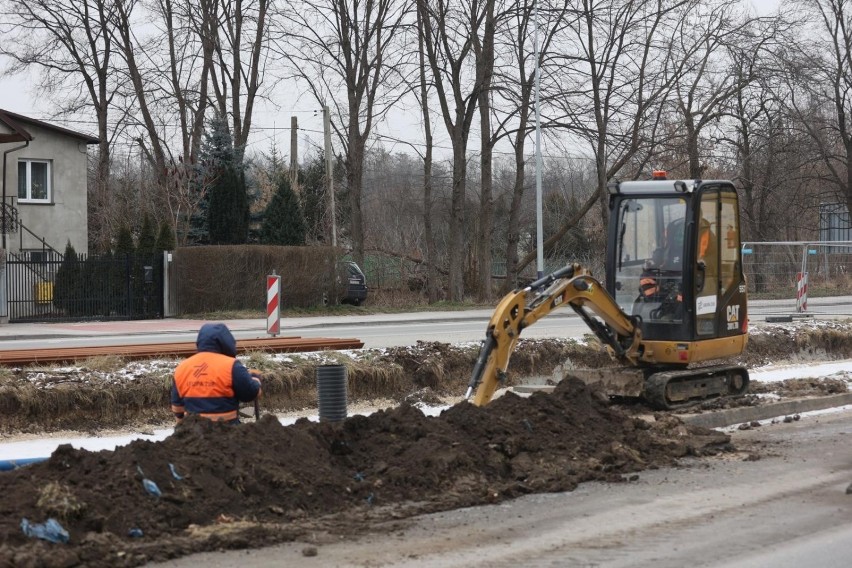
point(20, 134)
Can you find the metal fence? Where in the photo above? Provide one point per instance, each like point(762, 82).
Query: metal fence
point(799, 277)
point(53, 288)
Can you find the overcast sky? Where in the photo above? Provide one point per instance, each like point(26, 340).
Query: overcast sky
point(270, 125)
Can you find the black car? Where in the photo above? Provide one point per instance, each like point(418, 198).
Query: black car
point(355, 291)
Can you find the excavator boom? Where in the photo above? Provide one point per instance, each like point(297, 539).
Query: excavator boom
point(573, 286)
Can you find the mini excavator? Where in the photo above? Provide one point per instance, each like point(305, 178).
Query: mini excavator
point(674, 299)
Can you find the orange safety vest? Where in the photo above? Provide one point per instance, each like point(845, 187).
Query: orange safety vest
point(703, 243)
point(205, 383)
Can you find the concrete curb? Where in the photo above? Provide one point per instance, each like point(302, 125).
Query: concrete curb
point(731, 416)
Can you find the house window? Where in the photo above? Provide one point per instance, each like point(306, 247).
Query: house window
point(34, 181)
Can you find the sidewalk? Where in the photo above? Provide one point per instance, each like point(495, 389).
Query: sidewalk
point(29, 331)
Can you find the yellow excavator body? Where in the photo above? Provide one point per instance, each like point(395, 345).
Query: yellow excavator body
point(674, 298)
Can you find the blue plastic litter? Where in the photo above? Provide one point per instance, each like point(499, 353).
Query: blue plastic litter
point(9, 465)
point(370, 499)
point(135, 533)
point(49, 530)
point(358, 476)
point(152, 488)
point(175, 474)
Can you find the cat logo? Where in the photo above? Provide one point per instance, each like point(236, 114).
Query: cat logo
point(733, 317)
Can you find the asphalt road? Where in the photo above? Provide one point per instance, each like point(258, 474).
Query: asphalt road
point(787, 509)
point(376, 331)
point(381, 330)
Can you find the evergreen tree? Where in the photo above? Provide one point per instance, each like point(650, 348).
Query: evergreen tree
point(124, 242)
point(147, 238)
point(165, 238)
point(283, 222)
point(67, 286)
point(228, 206)
point(313, 199)
point(120, 289)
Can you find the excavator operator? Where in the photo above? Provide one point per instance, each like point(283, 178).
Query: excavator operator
point(656, 284)
point(706, 253)
point(664, 264)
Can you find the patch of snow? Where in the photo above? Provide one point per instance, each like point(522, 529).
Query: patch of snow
point(775, 373)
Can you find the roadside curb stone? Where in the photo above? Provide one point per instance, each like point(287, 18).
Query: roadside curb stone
point(731, 416)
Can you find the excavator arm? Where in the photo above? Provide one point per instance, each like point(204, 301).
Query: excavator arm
point(573, 286)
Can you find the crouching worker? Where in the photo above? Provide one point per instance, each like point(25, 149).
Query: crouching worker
point(212, 383)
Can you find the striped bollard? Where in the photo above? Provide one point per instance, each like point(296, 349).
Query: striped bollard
point(273, 305)
point(801, 292)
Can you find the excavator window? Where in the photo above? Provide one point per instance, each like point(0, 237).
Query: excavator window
point(650, 256)
point(707, 275)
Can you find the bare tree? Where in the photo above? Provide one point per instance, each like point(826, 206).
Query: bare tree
point(818, 73)
point(449, 29)
point(515, 84)
point(712, 77)
point(429, 234)
point(619, 63)
point(348, 51)
point(168, 76)
point(240, 38)
point(483, 49)
point(71, 42)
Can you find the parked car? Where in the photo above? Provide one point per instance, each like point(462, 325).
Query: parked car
point(355, 292)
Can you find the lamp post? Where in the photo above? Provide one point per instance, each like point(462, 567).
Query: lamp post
point(539, 228)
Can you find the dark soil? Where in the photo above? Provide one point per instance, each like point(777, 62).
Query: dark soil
point(259, 483)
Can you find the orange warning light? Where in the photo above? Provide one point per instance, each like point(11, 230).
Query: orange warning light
point(659, 174)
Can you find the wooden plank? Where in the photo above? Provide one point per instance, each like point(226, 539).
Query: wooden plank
point(182, 349)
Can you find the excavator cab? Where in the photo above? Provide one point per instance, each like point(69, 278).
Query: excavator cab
point(673, 259)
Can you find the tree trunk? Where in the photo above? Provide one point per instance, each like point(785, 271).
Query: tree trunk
point(432, 271)
point(456, 237)
point(354, 180)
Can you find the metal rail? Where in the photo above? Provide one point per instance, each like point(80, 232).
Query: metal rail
point(153, 350)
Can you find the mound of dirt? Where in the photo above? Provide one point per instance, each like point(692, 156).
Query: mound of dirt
point(220, 486)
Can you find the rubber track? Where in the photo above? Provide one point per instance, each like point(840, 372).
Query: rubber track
point(185, 349)
point(655, 385)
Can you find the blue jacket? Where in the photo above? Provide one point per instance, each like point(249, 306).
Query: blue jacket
point(212, 383)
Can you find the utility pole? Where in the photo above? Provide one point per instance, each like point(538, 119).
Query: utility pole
point(329, 179)
point(294, 154)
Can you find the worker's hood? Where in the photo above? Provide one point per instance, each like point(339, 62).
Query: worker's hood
point(216, 338)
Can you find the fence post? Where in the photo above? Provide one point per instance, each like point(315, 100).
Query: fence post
point(273, 304)
point(4, 298)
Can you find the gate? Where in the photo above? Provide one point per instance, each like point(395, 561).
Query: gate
point(48, 287)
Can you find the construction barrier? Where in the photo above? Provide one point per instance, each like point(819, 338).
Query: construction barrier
point(273, 305)
point(801, 292)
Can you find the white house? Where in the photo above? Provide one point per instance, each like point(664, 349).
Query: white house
point(43, 186)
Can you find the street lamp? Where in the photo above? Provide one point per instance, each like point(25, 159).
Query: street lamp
point(539, 228)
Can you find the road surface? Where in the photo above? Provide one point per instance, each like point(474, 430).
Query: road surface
point(376, 331)
point(781, 501)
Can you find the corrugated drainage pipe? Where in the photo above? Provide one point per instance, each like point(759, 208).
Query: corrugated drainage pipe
point(8, 465)
point(331, 392)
